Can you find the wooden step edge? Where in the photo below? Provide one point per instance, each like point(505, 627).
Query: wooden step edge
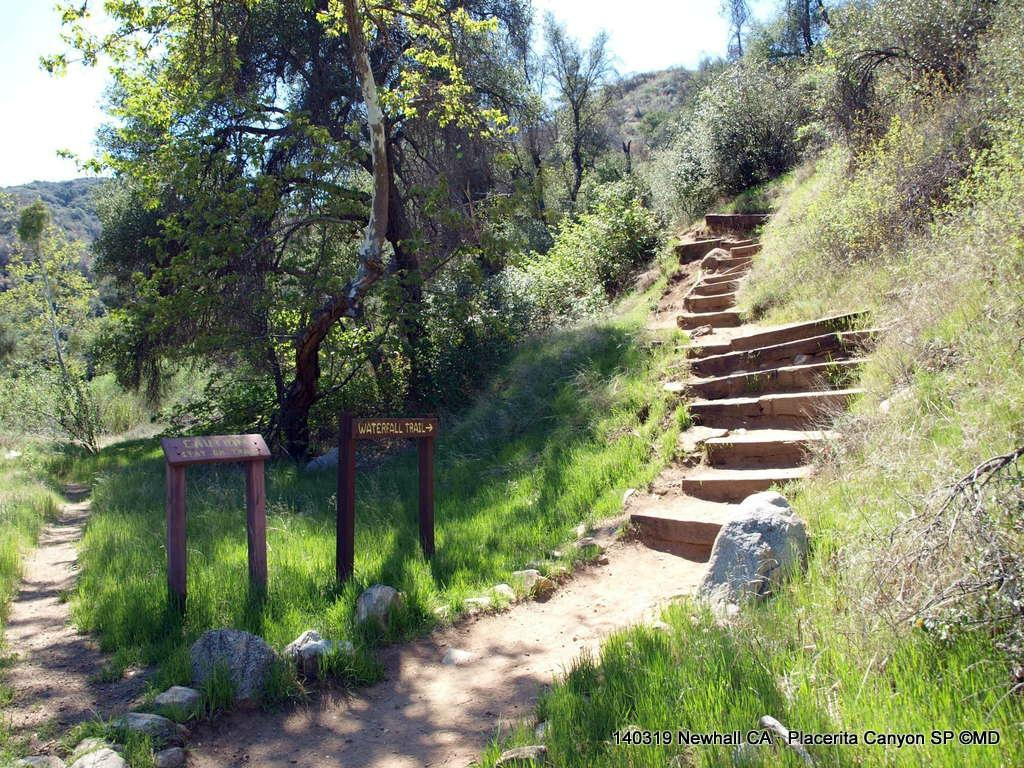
point(729, 318)
point(758, 338)
point(815, 394)
point(699, 386)
point(839, 336)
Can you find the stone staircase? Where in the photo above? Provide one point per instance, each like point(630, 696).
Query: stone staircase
point(761, 399)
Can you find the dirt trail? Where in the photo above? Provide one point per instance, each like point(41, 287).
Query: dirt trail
point(430, 714)
point(53, 678)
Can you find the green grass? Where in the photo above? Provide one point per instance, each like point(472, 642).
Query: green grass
point(574, 421)
point(700, 677)
point(25, 504)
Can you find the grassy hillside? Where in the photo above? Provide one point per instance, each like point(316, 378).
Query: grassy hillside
point(644, 104)
point(71, 205)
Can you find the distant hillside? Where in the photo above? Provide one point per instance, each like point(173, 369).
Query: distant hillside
point(71, 205)
point(644, 104)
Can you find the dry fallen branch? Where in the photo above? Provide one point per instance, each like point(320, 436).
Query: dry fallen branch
point(956, 563)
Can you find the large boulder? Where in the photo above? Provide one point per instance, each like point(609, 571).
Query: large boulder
point(246, 658)
point(328, 460)
point(714, 259)
point(158, 728)
point(754, 551)
point(376, 603)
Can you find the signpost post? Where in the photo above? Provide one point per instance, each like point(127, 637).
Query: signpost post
point(352, 429)
point(182, 452)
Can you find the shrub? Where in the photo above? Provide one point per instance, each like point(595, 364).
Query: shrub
point(593, 254)
point(743, 130)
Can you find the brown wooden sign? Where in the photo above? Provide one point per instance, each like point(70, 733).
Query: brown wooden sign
point(382, 429)
point(182, 452)
point(353, 430)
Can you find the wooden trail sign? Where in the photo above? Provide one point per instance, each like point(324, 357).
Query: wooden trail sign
point(182, 452)
point(352, 430)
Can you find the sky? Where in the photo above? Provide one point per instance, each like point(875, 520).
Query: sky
point(43, 114)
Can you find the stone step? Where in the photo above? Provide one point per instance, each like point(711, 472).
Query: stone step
point(735, 222)
point(729, 318)
point(713, 303)
point(817, 349)
point(698, 249)
point(734, 485)
point(793, 331)
point(681, 525)
point(745, 250)
point(740, 243)
point(796, 410)
point(764, 448)
point(788, 378)
point(714, 289)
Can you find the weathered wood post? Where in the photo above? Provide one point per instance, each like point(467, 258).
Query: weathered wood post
point(426, 460)
point(352, 429)
point(182, 452)
point(256, 525)
point(177, 557)
point(346, 524)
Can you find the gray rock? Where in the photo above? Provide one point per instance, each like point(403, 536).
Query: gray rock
point(456, 657)
point(477, 604)
point(308, 648)
point(170, 758)
point(376, 603)
point(91, 744)
point(646, 279)
point(327, 461)
point(179, 699)
point(101, 758)
point(246, 657)
point(158, 728)
point(526, 579)
point(504, 592)
point(41, 761)
point(711, 262)
point(540, 731)
point(520, 757)
point(754, 551)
